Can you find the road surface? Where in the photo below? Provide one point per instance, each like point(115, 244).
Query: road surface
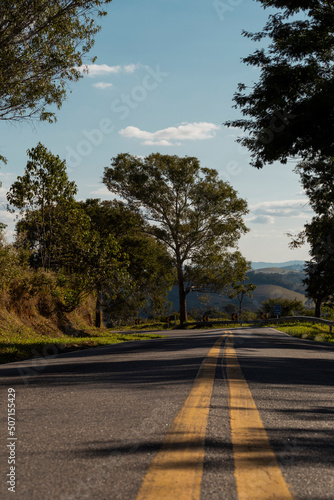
point(218, 414)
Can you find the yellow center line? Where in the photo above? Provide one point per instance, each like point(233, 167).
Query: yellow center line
point(176, 471)
point(257, 473)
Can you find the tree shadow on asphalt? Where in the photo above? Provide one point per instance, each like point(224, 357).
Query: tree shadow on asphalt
point(114, 449)
point(79, 367)
point(160, 369)
point(312, 368)
point(299, 447)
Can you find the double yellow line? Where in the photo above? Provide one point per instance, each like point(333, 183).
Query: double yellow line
point(256, 471)
point(176, 471)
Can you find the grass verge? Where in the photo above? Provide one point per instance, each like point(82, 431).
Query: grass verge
point(27, 344)
point(309, 331)
point(149, 325)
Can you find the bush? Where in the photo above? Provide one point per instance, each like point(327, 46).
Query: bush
point(249, 316)
point(289, 307)
point(12, 263)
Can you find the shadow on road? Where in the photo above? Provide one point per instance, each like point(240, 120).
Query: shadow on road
point(152, 362)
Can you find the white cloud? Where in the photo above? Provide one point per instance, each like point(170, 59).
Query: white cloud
point(102, 85)
point(196, 131)
point(283, 208)
point(7, 217)
point(95, 70)
point(131, 68)
point(262, 219)
point(102, 191)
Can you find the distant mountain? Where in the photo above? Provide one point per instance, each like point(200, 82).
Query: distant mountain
point(297, 265)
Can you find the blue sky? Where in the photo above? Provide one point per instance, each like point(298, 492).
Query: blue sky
point(163, 81)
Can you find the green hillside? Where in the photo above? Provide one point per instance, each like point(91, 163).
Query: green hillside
point(285, 278)
point(263, 292)
point(271, 282)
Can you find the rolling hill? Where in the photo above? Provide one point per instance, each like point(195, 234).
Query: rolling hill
point(270, 281)
point(297, 265)
point(263, 292)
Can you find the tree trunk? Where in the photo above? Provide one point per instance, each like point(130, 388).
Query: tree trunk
point(318, 307)
point(182, 297)
point(98, 308)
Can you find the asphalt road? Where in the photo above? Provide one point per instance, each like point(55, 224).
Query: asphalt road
point(119, 422)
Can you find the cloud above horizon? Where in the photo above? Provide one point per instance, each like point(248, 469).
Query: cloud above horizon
point(266, 211)
point(102, 191)
point(171, 136)
point(95, 70)
point(102, 85)
point(262, 219)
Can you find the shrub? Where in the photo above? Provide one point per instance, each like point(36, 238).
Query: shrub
point(289, 307)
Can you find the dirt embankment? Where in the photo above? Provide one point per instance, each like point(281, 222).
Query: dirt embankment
point(43, 314)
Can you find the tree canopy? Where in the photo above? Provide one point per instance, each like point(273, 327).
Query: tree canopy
point(317, 180)
point(43, 42)
point(239, 290)
point(37, 193)
point(319, 279)
point(288, 112)
point(188, 208)
point(149, 275)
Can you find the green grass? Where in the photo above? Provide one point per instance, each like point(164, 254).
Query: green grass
point(148, 325)
point(312, 331)
point(26, 344)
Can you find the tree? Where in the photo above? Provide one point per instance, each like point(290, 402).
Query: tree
point(149, 276)
point(36, 194)
point(288, 112)
point(12, 263)
point(84, 260)
point(239, 291)
point(150, 279)
point(319, 279)
point(90, 260)
point(188, 208)
point(215, 270)
point(43, 42)
point(317, 180)
point(319, 284)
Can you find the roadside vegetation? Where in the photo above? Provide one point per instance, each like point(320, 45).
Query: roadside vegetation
point(292, 120)
point(26, 333)
point(27, 344)
point(76, 270)
point(308, 331)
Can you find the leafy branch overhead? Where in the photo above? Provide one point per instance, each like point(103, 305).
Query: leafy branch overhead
point(42, 44)
point(288, 112)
